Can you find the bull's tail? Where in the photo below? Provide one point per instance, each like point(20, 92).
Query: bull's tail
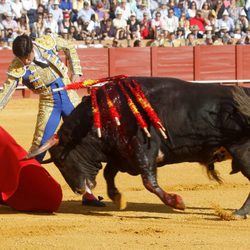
point(242, 100)
point(213, 174)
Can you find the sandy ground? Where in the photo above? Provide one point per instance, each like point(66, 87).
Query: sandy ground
point(145, 224)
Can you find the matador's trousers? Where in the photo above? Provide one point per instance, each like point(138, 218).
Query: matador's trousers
point(52, 107)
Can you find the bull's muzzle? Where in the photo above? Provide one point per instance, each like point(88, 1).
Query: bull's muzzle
point(54, 140)
point(88, 185)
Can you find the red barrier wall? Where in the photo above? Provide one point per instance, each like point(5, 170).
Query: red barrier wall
point(188, 63)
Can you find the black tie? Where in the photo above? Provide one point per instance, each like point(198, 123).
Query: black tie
point(41, 64)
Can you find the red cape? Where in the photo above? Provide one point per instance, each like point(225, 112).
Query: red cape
point(25, 185)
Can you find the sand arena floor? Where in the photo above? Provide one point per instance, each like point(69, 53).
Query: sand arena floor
point(145, 224)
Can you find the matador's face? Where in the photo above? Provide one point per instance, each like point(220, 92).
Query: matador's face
point(27, 60)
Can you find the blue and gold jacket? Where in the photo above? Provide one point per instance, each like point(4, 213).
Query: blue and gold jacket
point(37, 78)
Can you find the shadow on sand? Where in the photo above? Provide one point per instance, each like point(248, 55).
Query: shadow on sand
point(75, 207)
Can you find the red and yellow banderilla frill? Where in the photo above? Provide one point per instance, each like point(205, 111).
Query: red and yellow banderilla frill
point(135, 111)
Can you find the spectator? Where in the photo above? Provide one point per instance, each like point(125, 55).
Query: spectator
point(10, 25)
point(73, 34)
point(30, 6)
point(133, 27)
point(240, 3)
point(141, 10)
point(171, 21)
point(145, 27)
point(51, 23)
point(242, 22)
point(191, 41)
point(93, 27)
point(199, 3)
point(154, 5)
point(120, 25)
point(2, 32)
point(159, 40)
point(184, 23)
point(199, 21)
point(5, 7)
point(237, 34)
point(234, 11)
point(137, 43)
point(38, 27)
point(115, 43)
point(41, 10)
point(219, 9)
point(192, 9)
point(226, 21)
point(212, 20)
point(205, 10)
point(56, 12)
point(208, 40)
point(79, 24)
point(180, 33)
point(66, 5)
point(65, 24)
point(157, 24)
point(180, 9)
point(107, 30)
point(247, 7)
point(76, 6)
point(171, 4)
point(105, 18)
point(223, 33)
point(163, 9)
point(171, 41)
point(17, 8)
point(64, 33)
point(227, 3)
point(23, 25)
point(100, 12)
point(106, 5)
point(208, 31)
point(216, 40)
point(124, 8)
point(85, 13)
point(195, 31)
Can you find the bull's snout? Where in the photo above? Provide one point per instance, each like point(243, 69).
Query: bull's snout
point(88, 185)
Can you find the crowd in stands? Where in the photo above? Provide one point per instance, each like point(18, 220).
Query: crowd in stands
point(159, 22)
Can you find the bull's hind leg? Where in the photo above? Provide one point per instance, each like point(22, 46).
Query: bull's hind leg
point(113, 193)
point(241, 159)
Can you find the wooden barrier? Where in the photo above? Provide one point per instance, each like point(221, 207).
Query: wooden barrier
point(187, 63)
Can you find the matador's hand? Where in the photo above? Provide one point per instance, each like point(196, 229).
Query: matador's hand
point(75, 78)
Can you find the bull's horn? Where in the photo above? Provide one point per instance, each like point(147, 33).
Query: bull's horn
point(47, 161)
point(54, 140)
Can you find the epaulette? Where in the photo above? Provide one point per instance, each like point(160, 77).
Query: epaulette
point(16, 68)
point(46, 42)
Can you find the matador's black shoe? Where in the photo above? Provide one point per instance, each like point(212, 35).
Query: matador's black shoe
point(93, 202)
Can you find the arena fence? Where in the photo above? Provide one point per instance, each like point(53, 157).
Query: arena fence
point(227, 64)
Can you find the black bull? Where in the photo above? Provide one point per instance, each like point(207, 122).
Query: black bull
point(200, 119)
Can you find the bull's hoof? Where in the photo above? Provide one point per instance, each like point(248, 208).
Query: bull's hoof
point(174, 201)
point(120, 201)
point(240, 215)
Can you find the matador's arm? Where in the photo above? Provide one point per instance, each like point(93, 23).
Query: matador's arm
point(15, 73)
point(70, 51)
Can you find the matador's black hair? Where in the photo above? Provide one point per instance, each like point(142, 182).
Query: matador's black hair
point(22, 46)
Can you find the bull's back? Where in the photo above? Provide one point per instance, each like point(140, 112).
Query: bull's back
point(192, 113)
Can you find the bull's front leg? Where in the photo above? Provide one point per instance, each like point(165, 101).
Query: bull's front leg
point(150, 182)
point(145, 158)
point(113, 193)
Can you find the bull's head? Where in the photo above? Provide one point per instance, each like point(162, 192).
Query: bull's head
point(79, 163)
